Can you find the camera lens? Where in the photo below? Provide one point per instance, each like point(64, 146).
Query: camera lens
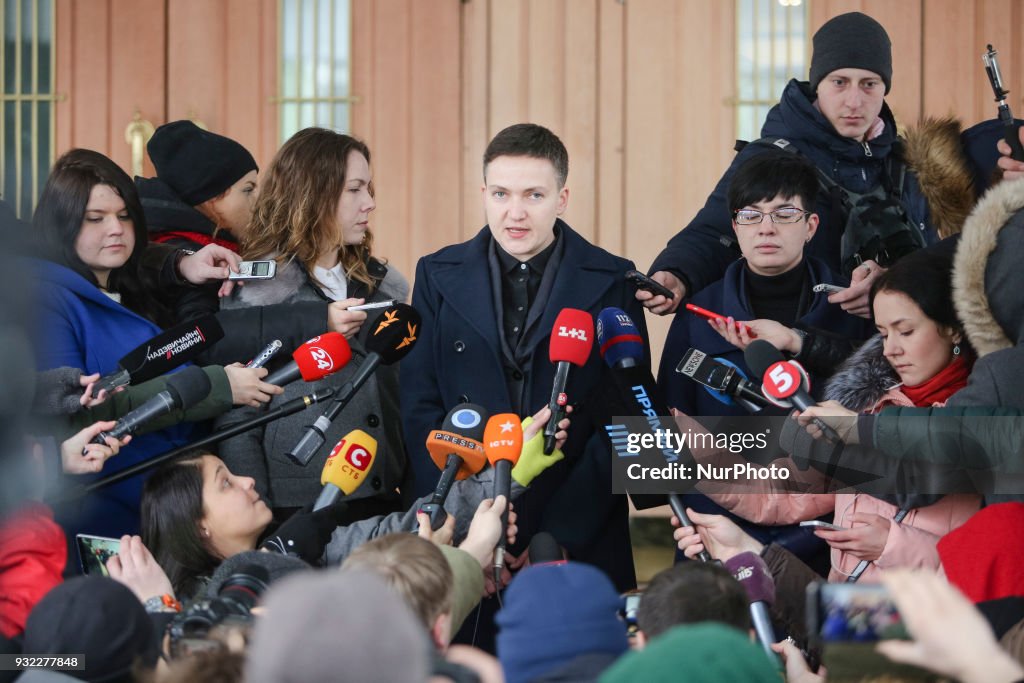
point(242, 590)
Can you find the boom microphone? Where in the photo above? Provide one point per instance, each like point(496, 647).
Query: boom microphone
point(751, 571)
point(723, 380)
point(392, 336)
point(571, 340)
point(346, 467)
point(458, 450)
point(503, 444)
point(618, 339)
point(784, 382)
point(314, 360)
point(184, 390)
point(163, 353)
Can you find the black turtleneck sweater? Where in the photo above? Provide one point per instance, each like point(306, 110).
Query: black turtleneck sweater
point(783, 297)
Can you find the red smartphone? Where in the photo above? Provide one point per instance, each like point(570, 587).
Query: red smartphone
point(705, 313)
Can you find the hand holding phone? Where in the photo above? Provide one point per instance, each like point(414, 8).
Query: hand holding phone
point(641, 281)
point(710, 315)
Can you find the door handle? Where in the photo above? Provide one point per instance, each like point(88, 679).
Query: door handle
point(137, 134)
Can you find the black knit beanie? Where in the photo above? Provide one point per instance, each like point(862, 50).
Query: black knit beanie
point(851, 41)
point(195, 163)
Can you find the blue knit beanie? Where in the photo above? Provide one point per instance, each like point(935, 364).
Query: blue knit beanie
point(555, 613)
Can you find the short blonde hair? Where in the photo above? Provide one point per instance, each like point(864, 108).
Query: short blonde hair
point(414, 567)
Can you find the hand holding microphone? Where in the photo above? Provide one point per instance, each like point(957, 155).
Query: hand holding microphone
point(572, 338)
point(247, 389)
point(532, 459)
point(79, 454)
point(503, 443)
point(458, 450)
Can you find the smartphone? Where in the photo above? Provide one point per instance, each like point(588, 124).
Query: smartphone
point(94, 551)
point(705, 313)
point(846, 620)
point(818, 524)
point(631, 605)
point(641, 281)
point(367, 307)
point(827, 289)
point(255, 270)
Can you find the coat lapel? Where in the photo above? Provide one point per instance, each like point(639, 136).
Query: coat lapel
point(463, 279)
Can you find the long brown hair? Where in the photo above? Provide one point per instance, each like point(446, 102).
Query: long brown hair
point(296, 209)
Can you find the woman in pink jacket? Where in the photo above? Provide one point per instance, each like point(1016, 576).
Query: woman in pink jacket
point(920, 358)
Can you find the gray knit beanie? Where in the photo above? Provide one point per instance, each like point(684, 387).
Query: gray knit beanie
point(851, 41)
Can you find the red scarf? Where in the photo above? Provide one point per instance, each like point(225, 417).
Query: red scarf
point(939, 388)
point(196, 237)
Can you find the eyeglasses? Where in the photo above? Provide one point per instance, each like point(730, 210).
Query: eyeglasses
point(754, 217)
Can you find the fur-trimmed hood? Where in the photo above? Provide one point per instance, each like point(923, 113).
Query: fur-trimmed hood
point(863, 378)
point(934, 152)
point(987, 276)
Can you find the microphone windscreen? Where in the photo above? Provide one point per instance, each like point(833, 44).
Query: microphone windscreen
point(618, 337)
point(393, 333)
point(276, 566)
point(503, 438)
point(171, 348)
point(322, 356)
point(572, 337)
point(544, 549)
point(760, 355)
point(350, 461)
point(751, 571)
point(188, 387)
point(468, 420)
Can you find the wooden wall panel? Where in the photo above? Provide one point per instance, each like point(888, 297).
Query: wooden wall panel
point(476, 111)
point(609, 186)
point(577, 126)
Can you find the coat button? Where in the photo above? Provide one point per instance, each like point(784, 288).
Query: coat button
point(463, 398)
point(375, 483)
point(516, 375)
point(372, 420)
point(460, 346)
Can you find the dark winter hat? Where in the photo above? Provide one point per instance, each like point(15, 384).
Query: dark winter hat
point(851, 41)
point(707, 652)
point(195, 163)
point(95, 616)
point(554, 614)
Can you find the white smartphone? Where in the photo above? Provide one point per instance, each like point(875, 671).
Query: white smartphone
point(94, 551)
point(367, 307)
point(255, 270)
point(818, 524)
point(828, 289)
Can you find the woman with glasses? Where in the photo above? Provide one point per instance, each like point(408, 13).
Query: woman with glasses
point(773, 281)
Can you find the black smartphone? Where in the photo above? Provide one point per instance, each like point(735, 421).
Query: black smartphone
point(641, 281)
point(846, 621)
point(94, 551)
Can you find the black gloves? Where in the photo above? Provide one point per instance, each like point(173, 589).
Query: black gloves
point(306, 533)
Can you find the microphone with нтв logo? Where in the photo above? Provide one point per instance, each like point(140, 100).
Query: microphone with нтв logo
point(392, 335)
point(572, 338)
point(163, 353)
point(346, 467)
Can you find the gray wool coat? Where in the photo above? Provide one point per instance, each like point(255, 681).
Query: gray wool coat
point(260, 452)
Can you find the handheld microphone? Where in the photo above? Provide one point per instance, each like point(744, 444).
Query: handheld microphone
point(571, 340)
point(346, 467)
point(503, 444)
point(784, 382)
point(751, 571)
point(313, 360)
point(723, 380)
point(635, 387)
point(458, 451)
point(544, 549)
point(163, 353)
point(184, 390)
point(392, 336)
point(618, 339)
